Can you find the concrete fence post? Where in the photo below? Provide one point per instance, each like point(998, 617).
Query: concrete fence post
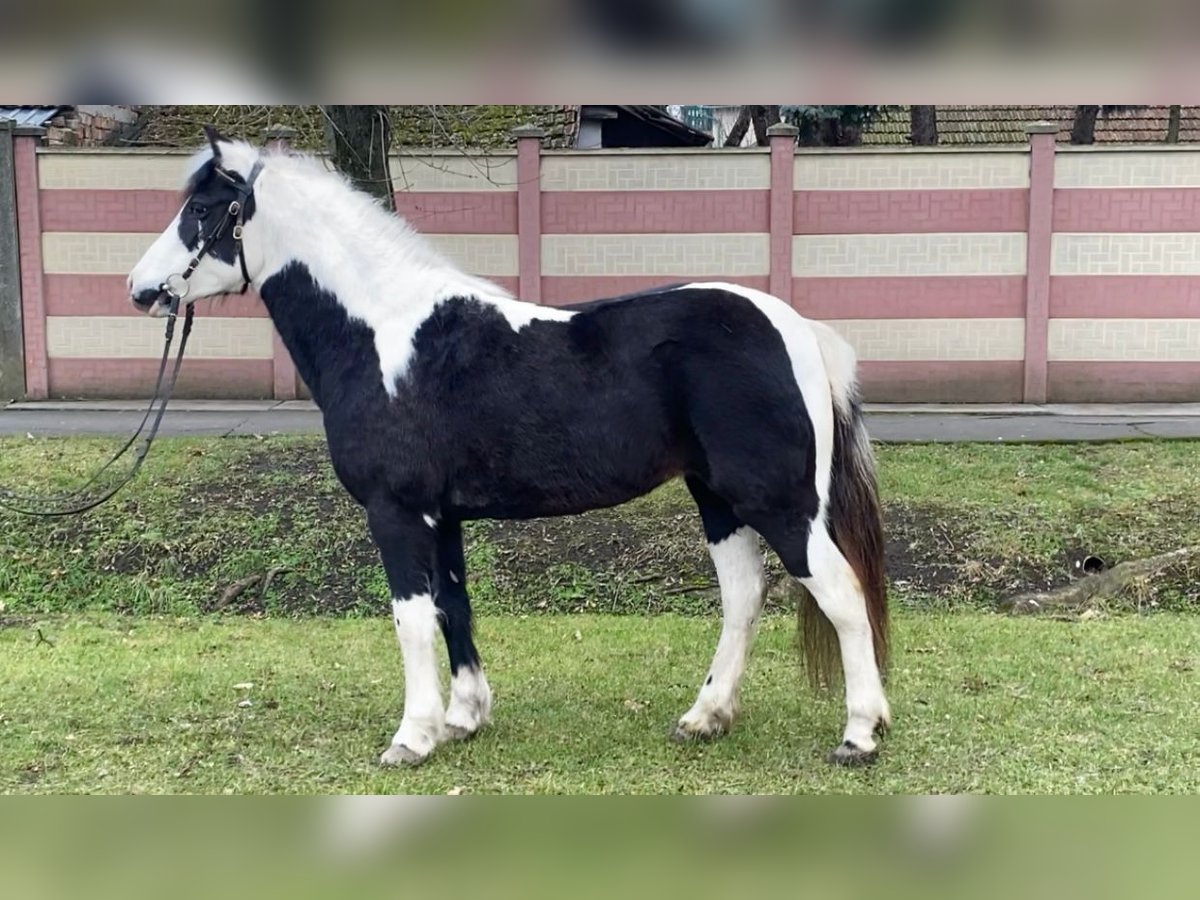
point(529, 212)
point(1037, 257)
point(782, 138)
point(283, 370)
point(29, 244)
point(12, 335)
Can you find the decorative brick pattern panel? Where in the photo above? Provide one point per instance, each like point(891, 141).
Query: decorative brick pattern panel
point(98, 253)
point(903, 212)
point(944, 296)
point(1130, 340)
point(109, 210)
point(120, 337)
point(653, 212)
point(454, 172)
point(97, 170)
point(1120, 297)
point(558, 291)
point(198, 378)
point(700, 255)
point(1127, 209)
point(1122, 382)
point(1127, 168)
point(1126, 254)
point(910, 170)
point(479, 254)
point(460, 212)
point(859, 255)
point(636, 171)
point(934, 339)
point(106, 295)
point(930, 381)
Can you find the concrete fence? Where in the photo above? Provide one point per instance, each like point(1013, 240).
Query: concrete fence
point(994, 275)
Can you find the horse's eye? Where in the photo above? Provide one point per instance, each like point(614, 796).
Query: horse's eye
point(199, 210)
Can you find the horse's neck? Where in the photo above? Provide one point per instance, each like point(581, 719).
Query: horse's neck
point(334, 353)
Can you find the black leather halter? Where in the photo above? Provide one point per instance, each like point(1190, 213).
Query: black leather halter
point(75, 501)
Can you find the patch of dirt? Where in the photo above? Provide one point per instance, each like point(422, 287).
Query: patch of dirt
point(929, 550)
point(279, 505)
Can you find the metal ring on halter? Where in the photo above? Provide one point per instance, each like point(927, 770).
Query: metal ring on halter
point(170, 291)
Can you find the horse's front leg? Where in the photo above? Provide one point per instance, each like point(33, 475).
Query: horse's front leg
point(407, 542)
point(470, 697)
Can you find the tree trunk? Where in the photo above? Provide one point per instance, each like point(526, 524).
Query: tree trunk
point(763, 118)
point(738, 132)
point(1176, 113)
point(359, 139)
point(1083, 130)
point(923, 126)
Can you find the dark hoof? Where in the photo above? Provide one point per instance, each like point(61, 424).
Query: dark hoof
point(851, 756)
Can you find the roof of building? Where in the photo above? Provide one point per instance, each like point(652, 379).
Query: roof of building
point(30, 115)
point(983, 125)
point(476, 127)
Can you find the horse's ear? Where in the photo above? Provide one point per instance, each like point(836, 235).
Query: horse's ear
point(214, 138)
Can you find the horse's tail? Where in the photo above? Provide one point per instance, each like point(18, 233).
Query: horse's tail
point(853, 515)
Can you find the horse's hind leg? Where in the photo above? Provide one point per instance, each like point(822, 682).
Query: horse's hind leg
point(470, 697)
point(809, 553)
point(736, 557)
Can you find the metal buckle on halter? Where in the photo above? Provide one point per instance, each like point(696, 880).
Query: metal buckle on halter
point(170, 291)
point(237, 232)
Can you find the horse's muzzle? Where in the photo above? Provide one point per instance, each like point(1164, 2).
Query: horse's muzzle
point(152, 301)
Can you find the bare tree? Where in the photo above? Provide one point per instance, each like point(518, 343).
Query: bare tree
point(760, 117)
point(1173, 118)
point(763, 118)
point(1083, 128)
point(923, 125)
point(740, 126)
point(359, 140)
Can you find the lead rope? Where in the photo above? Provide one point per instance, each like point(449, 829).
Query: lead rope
point(65, 504)
point(70, 503)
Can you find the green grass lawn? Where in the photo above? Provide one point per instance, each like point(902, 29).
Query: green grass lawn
point(584, 703)
point(596, 630)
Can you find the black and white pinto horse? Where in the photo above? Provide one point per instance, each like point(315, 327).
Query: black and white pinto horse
point(445, 399)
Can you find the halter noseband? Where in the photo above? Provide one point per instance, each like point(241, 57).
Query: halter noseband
point(235, 213)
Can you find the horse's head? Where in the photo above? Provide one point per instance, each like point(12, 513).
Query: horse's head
point(201, 252)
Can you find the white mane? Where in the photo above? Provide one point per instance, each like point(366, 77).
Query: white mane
point(382, 271)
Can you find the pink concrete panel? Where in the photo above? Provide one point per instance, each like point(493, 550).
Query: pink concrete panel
point(459, 212)
point(1125, 297)
point(941, 382)
point(905, 212)
point(198, 378)
point(1124, 382)
point(109, 210)
point(1040, 231)
point(29, 244)
point(106, 295)
point(653, 212)
point(1127, 209)
point(948, 297)
point(449, 212)
point(284, 376)
point(560, 290)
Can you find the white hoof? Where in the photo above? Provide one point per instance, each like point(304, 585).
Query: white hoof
point(400, 755)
